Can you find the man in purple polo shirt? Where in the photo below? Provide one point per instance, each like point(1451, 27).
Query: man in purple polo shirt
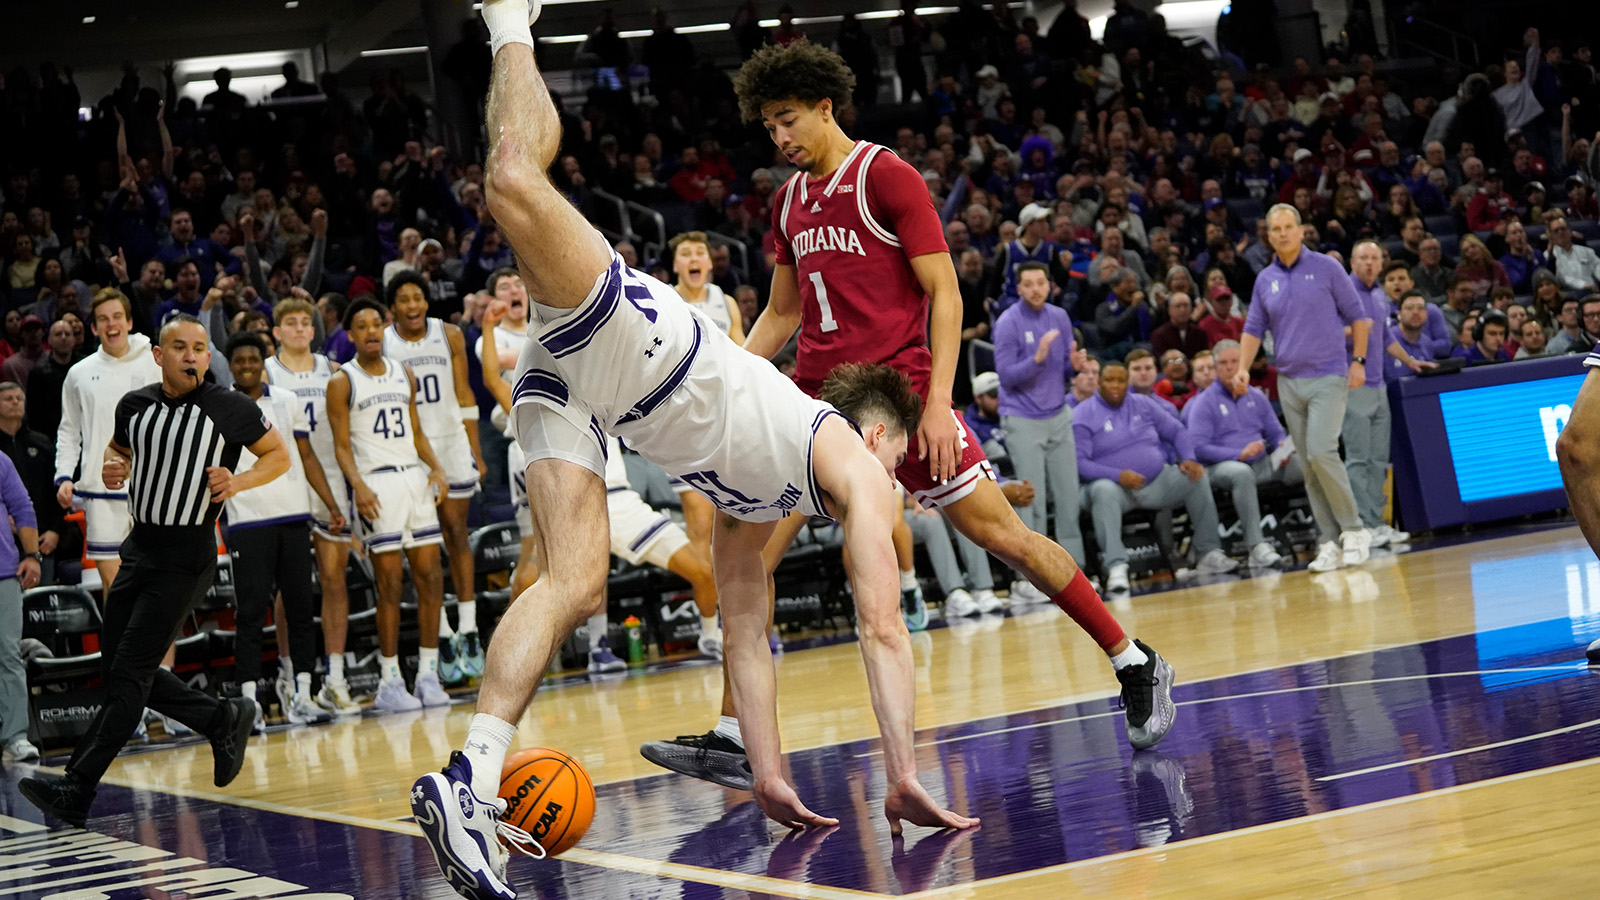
point(1032, 350)
point(1411, 348)
point(1122, 441)
point(1305, 299)
point(1366, 415)
point(1235, 438)
point(1396, 284)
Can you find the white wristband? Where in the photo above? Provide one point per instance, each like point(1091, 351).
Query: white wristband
point(468, 413)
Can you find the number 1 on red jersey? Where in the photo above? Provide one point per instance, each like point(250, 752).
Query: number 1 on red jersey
point(828, 322)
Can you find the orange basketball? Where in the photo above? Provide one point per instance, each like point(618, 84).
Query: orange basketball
point(549, 795)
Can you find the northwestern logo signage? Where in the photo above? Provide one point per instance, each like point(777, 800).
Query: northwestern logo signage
point(1502, 438)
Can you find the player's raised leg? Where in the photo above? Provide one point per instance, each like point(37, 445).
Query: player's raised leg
point(560, 253)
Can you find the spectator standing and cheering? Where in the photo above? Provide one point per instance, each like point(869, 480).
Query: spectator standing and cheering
point(1305, 299)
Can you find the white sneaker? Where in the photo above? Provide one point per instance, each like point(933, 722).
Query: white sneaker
point(1329, 557)
point(21, 751)
point(335, 698)
point(711, 644)
point(1215, 563)
point(429, 692)
point(393, 696)
point(1380, 536)
point(1393, 536)
point(1117, 579)
point(1264, 556)
point(960, 604)
point(260, 724)
point(1357, 546)
point(988, 602)
point(304, 711)
point(461, 828)
point(1023, 591)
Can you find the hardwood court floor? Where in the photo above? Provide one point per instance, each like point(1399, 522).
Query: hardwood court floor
point(1422, 723)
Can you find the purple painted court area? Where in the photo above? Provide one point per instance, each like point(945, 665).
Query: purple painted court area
point(1052, 786)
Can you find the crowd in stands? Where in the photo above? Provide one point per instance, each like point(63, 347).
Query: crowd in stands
point(1130, 175)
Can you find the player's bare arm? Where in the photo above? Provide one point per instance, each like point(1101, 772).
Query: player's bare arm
point(436, 475)
point(319, 482)
point(464, 396)
point(366, 502)
point(937, 438)
point(777, 323)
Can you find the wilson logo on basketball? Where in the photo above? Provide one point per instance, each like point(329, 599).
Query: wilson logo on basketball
point(523, 790)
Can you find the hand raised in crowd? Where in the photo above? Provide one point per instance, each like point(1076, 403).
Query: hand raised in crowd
point(119, 266)
point(247, 226)
point(319, 223)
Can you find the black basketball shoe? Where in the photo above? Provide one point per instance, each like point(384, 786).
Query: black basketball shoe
point(708, 757)
point(59, 797)
point(1147, 697)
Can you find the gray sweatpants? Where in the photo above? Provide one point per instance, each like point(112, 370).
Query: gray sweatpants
point(1240, 478)
point(933, 533)
point(1044, 452)
point(1314, 408)
point(1366, 450)
point(1108, 500)
point(13, 671)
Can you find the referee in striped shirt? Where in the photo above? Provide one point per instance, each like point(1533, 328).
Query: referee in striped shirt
point(174, 445)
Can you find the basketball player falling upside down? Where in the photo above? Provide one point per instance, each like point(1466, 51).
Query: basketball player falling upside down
point(616, 351)
point(861, 257)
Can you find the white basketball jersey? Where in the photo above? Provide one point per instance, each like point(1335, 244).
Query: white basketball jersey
point(380, 417)
point(430, 363)
point(286, 498)
point(311, 388)
point(715, 308)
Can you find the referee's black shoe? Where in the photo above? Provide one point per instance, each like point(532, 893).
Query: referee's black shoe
point(228, 743)
point(59, 797)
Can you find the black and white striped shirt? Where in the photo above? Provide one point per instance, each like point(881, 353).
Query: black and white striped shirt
point(174, 440)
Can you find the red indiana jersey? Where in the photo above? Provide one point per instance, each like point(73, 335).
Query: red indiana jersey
point(851, 239)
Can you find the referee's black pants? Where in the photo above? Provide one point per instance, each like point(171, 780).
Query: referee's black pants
point(264, 556)
point(166, 571)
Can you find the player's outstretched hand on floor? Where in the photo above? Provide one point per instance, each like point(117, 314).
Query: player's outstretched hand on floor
point(909, 800)
point(782, 805)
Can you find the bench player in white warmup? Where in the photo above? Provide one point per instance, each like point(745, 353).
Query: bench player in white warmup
point(436, 353)
point(618, 352)
point(639, 533)
point(297, 369)
point(395, 481)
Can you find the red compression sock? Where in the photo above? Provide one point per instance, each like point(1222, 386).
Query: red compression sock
point(1079, 600)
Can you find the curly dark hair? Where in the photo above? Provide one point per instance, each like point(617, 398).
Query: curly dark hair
point(873, 392)
point(798, 71)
